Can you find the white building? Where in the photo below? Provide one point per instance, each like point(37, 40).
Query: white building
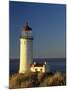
point(26, 49)
point(38, 67)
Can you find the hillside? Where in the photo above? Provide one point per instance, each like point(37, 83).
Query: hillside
point(29, 79)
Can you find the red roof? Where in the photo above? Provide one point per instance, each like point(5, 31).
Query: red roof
point(37, 65)
point(27, 27)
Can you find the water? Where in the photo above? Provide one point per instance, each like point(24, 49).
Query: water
point(55, 64)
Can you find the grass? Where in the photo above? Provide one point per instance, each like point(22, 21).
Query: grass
point(36, 80)
point(19, 80)
point(55, 80)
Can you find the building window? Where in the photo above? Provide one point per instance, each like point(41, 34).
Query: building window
point(41, 69)
point(35, 70)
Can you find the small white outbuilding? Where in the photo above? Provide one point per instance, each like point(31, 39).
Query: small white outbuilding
point(38, 67)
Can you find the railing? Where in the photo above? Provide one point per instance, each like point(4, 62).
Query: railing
point(27, 37)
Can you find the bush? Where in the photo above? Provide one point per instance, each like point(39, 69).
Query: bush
point(36, 79)
point(55, 80)
point(19, 80)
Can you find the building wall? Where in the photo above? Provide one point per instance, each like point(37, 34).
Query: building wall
point(33, 69)
point(26, 55)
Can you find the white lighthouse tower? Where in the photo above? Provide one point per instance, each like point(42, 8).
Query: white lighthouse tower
point(26, 49)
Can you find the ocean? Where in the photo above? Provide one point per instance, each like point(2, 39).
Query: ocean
point(55, 64)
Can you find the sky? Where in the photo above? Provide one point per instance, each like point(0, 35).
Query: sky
point(48, 27)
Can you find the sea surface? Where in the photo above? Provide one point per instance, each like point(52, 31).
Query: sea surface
point(54, 64)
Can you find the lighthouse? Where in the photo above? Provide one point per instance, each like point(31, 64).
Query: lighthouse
point(26, 49)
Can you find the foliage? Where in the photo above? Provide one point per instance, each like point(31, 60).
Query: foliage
point(36, 79)
point(55, 80)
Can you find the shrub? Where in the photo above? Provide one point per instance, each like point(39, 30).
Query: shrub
point(55, 80)
point(19, 80)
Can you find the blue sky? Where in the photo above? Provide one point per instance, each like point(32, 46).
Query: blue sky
point(48, 27)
